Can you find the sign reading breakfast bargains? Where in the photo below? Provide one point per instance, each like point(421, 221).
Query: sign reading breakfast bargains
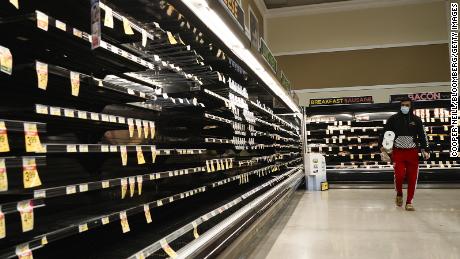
point(235, 10)
point(431, 96)
point(341, 100)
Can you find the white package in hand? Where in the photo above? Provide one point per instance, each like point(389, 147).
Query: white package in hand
point(389, 135)
point(387, 144)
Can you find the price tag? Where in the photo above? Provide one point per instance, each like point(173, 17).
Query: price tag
point(159, 203)
point(26, 210)
point(104, 148)
point(94, 116)
point(4, 145)
point(61, 25)
point(152, 129)
point(132, 186)
point(168, 250)
point(144, 38)
point(113, 118)
point(105, 184)
point(121, 120)
point(148, 217)
point(105, 117)
point(226, 164)
point(211, 164)
point(441, 137)
point(71, 148)
point(41, 109)
point(82, 228)
point(81, 115)
point(83, 148)
point(15, 3)
point(3, 176)
point(154, 153)
point(83, 187)
point(44, 241)
point(108, 18)
point(128, 30)
point(218, 165)
point(77, 33)
point(42, 74)
point(42, 20)
point(124, 222)
point(75, 82)
point(195, 230)
point(105, 220)
point(55, 111)
point(131, 92)
point(208, 168)
point(69, 113)
point(30, 173)
point(171, 38)
point(139, 179)
point(360, 156)
point(71, 189)
point(23, 251)
point(113, 148)
point(139, 128)
point(124, 187)
point(124, 155)
point(145, 125)
point(131, 127)
point(39, 194)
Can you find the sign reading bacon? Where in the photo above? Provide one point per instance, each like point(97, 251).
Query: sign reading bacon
point(429, 96)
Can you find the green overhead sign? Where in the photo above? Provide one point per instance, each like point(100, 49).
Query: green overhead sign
point(268, 55)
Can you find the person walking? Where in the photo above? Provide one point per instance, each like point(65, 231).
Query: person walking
point(410, 137)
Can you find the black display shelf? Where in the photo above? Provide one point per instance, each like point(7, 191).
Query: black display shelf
point(75, 226)
point(155, 121)
point(348, 136)
point(196, 223)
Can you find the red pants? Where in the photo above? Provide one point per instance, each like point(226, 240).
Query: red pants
point(405, 162)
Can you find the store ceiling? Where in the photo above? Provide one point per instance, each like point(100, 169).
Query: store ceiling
point(290, 3)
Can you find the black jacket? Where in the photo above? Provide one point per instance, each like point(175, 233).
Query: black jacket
point(406, 125)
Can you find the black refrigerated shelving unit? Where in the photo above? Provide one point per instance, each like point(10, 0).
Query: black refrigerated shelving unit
point(348, 136)
point(113, 151)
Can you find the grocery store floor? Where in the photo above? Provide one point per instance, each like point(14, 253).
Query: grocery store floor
point(357, 223)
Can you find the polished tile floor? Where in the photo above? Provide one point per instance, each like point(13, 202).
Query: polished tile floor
point(365, 224)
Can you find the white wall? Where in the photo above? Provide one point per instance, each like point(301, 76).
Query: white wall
point(398, 23)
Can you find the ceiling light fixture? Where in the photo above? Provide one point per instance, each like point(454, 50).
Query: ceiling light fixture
point(215, 23)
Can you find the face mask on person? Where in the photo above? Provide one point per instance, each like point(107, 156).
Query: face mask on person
point(405, 109)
